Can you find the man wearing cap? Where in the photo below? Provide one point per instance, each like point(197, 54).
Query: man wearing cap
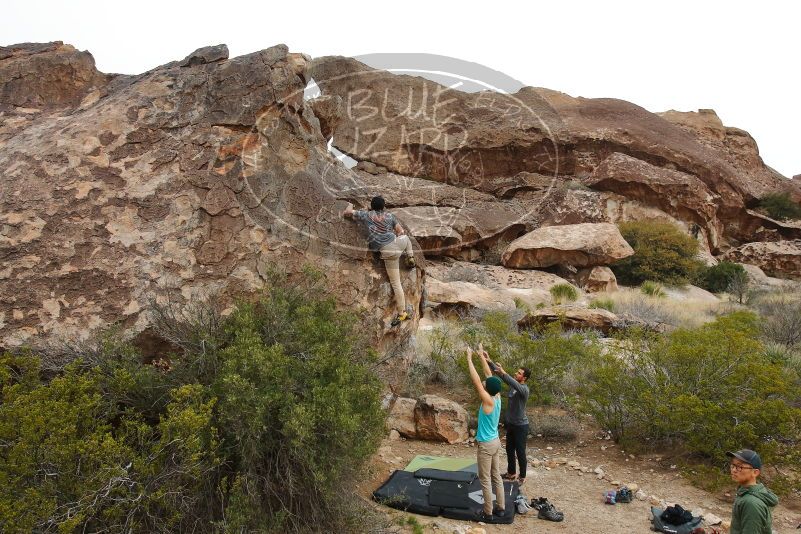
point(753, 506)
point(487, 439)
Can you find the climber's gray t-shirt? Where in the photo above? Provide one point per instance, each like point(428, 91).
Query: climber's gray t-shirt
point(380, 227)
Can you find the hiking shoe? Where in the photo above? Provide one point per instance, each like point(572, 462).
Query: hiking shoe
point(549, 513)
point(538, 503)
point(401, 317)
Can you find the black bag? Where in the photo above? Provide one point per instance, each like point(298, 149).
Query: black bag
point(660, 525)
point(676, 515)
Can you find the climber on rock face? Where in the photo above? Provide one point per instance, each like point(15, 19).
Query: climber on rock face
point(386, 236)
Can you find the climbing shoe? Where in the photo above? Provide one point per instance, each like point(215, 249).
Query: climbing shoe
point(409, 261)
point(401, 317)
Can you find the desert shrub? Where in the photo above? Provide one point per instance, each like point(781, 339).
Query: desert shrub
point(780, 206)
point(603, 303)
point(439, 360)
point(718, 278)
point(563, 293)
point(554, 426)
point(652, 289)
point(662, 253)
point(273, 409)
point(706, 389)
point(72, 460)
point(553, 356)
point(780, 318)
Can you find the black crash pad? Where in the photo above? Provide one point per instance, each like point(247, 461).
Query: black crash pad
point(451, 499)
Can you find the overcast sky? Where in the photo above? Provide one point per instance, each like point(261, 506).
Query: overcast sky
point(741, 59)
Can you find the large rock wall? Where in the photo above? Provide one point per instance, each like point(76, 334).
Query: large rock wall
point(186, 181)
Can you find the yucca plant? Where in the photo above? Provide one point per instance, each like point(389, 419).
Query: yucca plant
point(563, 293)
point(652, 289)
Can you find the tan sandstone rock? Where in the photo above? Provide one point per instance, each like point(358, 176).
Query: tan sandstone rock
point(401, 417)
point(440, 419)
point(458, 285)
point(416, 127)
point(596, 279)
point(579, 245)
point(571, 317)
point(779, 258)
point(189, 180)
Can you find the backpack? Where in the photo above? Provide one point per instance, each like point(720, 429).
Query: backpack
point(676, 515)
point(623, 495)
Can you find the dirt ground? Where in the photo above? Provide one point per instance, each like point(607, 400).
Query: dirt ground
point(579, 496)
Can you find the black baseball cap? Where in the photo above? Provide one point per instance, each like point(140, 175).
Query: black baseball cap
point(748, 456)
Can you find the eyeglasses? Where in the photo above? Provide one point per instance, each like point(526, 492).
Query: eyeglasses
point(735, 467)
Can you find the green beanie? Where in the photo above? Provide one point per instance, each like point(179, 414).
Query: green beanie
point(493, 385)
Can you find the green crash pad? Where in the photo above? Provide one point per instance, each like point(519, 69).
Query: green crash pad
point(422, 461)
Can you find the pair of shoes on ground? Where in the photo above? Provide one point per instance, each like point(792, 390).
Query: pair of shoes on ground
point(546, 510)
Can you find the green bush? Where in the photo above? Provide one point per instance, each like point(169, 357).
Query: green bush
point(662, 253)
point(563, 293)
point(719, 278)
point(652, 289)
point(553, 356)
point(706, 390)
point(263, 426)
point(780, 206)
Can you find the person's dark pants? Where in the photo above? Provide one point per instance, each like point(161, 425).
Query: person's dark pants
point(516, 446)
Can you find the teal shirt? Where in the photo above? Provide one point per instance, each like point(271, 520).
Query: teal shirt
point(488, 422)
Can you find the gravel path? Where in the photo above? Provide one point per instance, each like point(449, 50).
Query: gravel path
point(579, 496)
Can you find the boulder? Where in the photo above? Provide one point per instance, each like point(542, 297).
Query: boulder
point(207, 54)
point(439, 419)
point(579, 245)
point(42, 76)
point(571, 318)
point(780, 258)
point(462, 285)
point(737, 148)
point(189, 180)
point(679, 194)
point(596, 279)
point(759, 280)
point(420, 128)
point(690, 292)
point(445, 220)
point(401, 417)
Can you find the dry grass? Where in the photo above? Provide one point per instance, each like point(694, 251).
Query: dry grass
point(682, 313)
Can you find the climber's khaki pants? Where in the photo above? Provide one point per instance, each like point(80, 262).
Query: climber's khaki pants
point(488, 457)
point(391, 255)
